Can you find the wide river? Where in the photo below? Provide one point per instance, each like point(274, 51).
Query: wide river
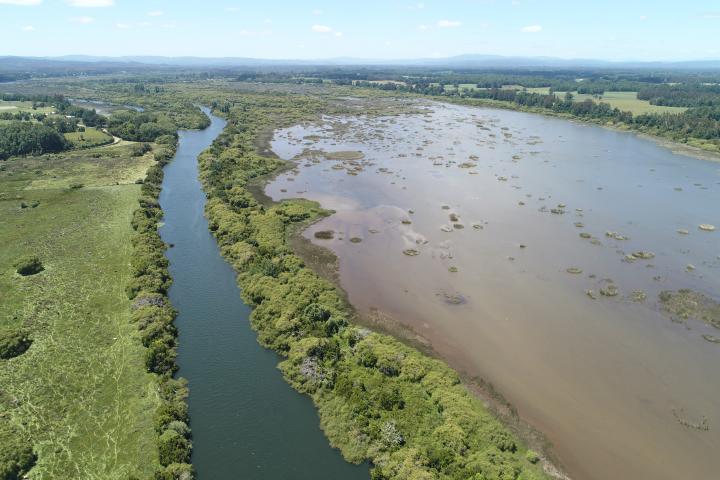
point(246, 421)
point(491, 234)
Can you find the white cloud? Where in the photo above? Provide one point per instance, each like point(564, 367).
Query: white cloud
point(144, 24)
point(156, 13)
point(448, 23)
point(338, 34)
point(317, 11)
point(232, 9)
point(422, 28)
point(321, 29)
point(122, 25)
point(84, 20)
point(24, 3)
point(28, 28)
point(643, 18)
point(711, 15)
point(91, 3)
point(531, 29)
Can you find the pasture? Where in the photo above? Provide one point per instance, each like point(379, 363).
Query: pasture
point(81, 391)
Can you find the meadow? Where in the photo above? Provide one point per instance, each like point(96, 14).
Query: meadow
point(19, 106)
point(91, 137)
point(80, 395)
point(625, 101)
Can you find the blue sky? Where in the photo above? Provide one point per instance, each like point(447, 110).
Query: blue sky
point(614, 30)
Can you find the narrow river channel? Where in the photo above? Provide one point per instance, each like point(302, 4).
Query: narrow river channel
point(246, 421)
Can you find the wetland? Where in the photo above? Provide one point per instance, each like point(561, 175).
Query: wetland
point(572, 267)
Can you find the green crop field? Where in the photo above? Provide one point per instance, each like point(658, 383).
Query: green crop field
point(80, 395)
point(625, 101)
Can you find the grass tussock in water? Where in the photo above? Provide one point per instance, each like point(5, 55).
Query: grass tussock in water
point(379, 400)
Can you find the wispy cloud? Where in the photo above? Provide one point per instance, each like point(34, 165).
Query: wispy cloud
point(317, 11)
point(711, 15)
point(232, 9)
point(448, 23)
point(84, 20)
point(123, 25)
point(91, 3)
point(531, 29)
point(321, 29)
point(643, 18)
point(422, 28)
point(156, 13)
point(28, 28)
point(24, 3)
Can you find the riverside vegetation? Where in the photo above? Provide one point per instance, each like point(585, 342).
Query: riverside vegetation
point(378, 399)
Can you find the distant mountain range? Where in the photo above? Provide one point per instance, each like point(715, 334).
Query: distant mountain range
point(14, 63)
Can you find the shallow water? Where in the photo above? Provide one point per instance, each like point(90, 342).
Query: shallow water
point(605, 378)
point(246, 421)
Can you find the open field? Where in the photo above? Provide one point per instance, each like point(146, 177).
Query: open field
point(81, 392)
point(17, 107)
point(625, 101)
point(91, 137)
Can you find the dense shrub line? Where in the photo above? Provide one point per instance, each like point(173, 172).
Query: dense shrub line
point(378, 399)
point(154, 317)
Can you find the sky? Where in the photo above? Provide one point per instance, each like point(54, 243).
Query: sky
point(372, 29)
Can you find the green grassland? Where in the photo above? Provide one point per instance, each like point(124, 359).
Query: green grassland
point(17, 107)
point(625, 101)
point(80, 394)
point(91, 137)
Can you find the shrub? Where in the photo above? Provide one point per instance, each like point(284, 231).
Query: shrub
point(174, 448)
point(16, 454)
point(176, 471)
point(28, 265)
point(532, 457)
point(13, 343)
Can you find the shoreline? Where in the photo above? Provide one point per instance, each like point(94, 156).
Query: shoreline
point(665, 142)
point(325, 263)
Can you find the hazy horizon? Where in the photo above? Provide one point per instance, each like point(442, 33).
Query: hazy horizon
point(373, 29)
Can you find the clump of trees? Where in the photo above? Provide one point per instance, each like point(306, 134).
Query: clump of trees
point(154, 317)
point(378, 399)
point(140, 126)
point(26, 138)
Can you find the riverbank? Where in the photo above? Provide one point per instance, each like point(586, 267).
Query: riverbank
point(378, 399)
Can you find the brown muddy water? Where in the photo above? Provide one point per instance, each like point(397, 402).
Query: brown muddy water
point(464, 224)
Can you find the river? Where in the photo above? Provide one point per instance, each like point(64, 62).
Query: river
point(512, 225)
point(246, 421)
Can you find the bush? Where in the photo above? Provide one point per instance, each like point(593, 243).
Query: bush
point(13, 343)
point(174, 448)
point(28, 265)
point(532, 457)
point(16, 454)
point(176, 471)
